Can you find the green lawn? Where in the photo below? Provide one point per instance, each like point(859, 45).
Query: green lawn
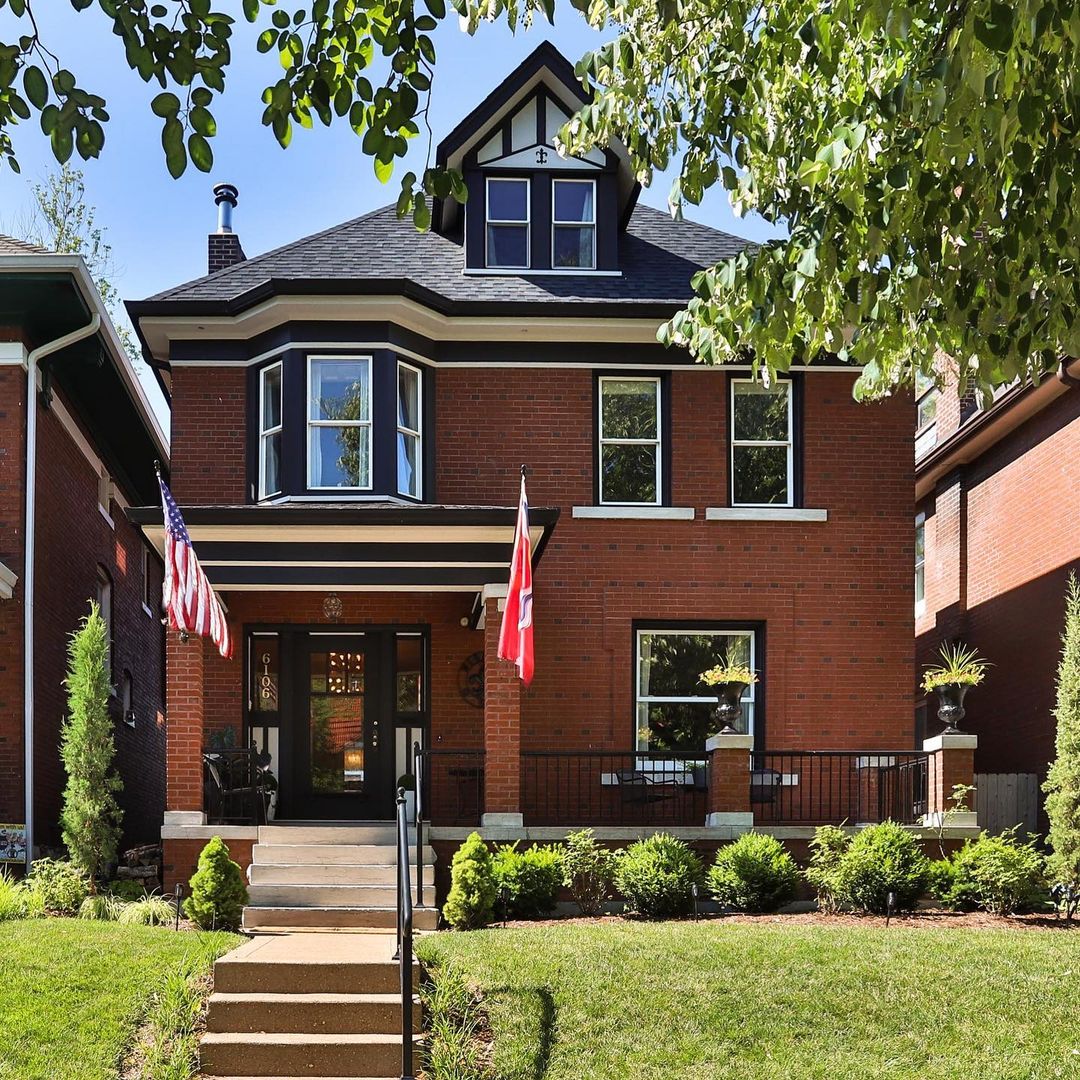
point(761, 1001)
point(71, 992)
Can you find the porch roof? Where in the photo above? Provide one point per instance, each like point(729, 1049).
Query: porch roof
point(351, 546)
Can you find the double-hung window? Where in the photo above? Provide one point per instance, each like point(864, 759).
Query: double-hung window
point(675, 710)
point(926, 399)
point(762, 443)
point(920, 564)
point(409, 432)
point(573, 225)
point(270, 431)
point(507, 223)
point(630, 447)
point(339, 422)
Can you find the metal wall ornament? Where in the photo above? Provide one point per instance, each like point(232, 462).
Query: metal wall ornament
point(332, 607)
point(471, 680)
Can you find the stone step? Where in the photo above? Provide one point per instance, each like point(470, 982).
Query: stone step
point(309, 895)
point(331, 874)
point(311, 918)
point(376, 833)
point(353, 854)
point(325, 963)
point(271, 1054)
point(319, 1013)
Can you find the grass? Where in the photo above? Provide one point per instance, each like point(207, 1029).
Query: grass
point(72, 992)
point(761, 1001)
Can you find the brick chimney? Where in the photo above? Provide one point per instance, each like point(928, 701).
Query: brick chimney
point(223, 247)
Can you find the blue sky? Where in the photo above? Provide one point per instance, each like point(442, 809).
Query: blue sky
point(158, 225)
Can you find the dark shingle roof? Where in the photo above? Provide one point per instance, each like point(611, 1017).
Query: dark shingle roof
point(658, 256)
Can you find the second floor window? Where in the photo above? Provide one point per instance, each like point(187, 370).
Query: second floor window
point(339, 423)
point(762, 444)
point(630, 450)
point(920, 564)
point(409, 432)
point(926, 399)
point(573, 225)
point(270, 432)
point(508, 224)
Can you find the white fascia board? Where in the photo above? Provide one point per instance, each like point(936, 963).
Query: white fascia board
point(12, 354)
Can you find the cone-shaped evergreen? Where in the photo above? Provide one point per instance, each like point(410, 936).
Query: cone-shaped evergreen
point(90, 820)
point(471, 901)
point(1062, 785)
point(218, 892)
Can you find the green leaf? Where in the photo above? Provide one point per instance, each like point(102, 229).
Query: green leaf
point(165, 105)
point(35, 86)
point(172, 141)
point(202, 157)
point(383, 170)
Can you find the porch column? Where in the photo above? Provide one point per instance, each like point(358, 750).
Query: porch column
point(951, 761)
point(185, 707)
point(502, 723)
point(729, 781)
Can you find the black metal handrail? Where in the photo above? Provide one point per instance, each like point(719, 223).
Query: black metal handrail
point(418, 817)
point(405, 937)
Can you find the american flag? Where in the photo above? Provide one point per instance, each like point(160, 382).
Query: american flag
point(189, 601)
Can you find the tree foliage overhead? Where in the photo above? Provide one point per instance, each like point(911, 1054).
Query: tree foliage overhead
point(922, 157)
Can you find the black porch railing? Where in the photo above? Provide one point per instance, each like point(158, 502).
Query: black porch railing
point(237, 786)
point(451, 786)
point(604, 788)
point(404, 955)
point(833, 786)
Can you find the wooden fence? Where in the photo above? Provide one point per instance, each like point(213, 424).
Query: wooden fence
point(1007, 799)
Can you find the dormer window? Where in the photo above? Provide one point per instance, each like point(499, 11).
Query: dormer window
point(573, 225)
point(339, 423)
point(508, 223)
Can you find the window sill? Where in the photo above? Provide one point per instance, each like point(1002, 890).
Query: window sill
point(524, 271)
point(149, 613)
point(107, 516)
point(635, 513)
point(764, 513)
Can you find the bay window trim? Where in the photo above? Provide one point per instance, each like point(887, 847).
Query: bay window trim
point(657, 441)
point(489, 221)
point(734, 442)
point(418, 433)
point(556, 223)
point(310, 423)
point(268, 433)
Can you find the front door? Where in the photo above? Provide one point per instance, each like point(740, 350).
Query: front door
point(343, 742)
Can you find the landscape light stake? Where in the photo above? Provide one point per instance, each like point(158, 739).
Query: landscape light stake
point(177, 893)
point(694, 894)
point(890, 907)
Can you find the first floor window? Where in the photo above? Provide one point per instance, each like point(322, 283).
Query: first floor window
point(762, 442)
point(507, 223)
point(573, 223)
point(409, 438)
point(630, 455)
point(339, 423)
point(920, 564)
point(674, 708)
point(105, 604)
point(270, 431)
point(147, 580)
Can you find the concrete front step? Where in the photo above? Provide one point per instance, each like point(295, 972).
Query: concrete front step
point(332, 834)
point(320, 1013)
point(301, 1054)
point(331, 874)
point(301, 918)
point(352, 854)
point(308, 895)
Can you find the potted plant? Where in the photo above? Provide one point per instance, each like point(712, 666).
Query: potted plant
point(729, 681)
point(960, 669)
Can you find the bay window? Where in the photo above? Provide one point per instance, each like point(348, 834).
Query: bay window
point(762, 443)
point(507, 223)
point(339, 423)
point(674, 708)
point(409, 432)
point(270, 431)
point(630, 454)
point(573, 224)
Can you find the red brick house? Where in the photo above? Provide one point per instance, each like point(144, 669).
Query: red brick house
point(997, 520)
point(350, 412)
point(87, 443)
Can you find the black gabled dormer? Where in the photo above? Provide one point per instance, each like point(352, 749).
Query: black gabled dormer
point(530, 210)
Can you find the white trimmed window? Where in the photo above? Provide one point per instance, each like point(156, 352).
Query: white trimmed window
point(270, 431)
point(762, 443)
point(926, 401)
point(410, 441)
point(630, 444)
point(920, 564)
point(105, 605)
point(507, 240)
point(147, 578)
point(339, 423)
point(674, 709)
point(573, 224)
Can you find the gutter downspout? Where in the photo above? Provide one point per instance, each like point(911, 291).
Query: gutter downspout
point(32, 366)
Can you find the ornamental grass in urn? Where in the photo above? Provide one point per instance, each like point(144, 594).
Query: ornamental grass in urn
point(729, 681)
point(960, 669)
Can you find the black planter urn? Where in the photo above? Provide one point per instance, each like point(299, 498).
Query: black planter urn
point(951, 706)
point(729, 710)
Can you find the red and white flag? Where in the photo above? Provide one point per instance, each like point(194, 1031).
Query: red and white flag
point(189, 601)
point(516, 632)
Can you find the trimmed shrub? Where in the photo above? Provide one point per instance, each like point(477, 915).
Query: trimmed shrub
point(754, 874)
point(60, 886)
point(882, 859)
point(470, 903)
point(218, 892)
point(528, 881)
point(656, 877)
point(997, 874)
point(827, 850)
point(588, 871)
point(941, 881)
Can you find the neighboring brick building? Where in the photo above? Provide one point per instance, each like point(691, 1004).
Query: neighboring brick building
point(350, 412)
point(92, 454)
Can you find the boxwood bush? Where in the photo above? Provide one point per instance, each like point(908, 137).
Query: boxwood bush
point(528, 881)
point(656, 877)
point(754, 874)
point(996, 873)
point(588, 871)
point(882, 859)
